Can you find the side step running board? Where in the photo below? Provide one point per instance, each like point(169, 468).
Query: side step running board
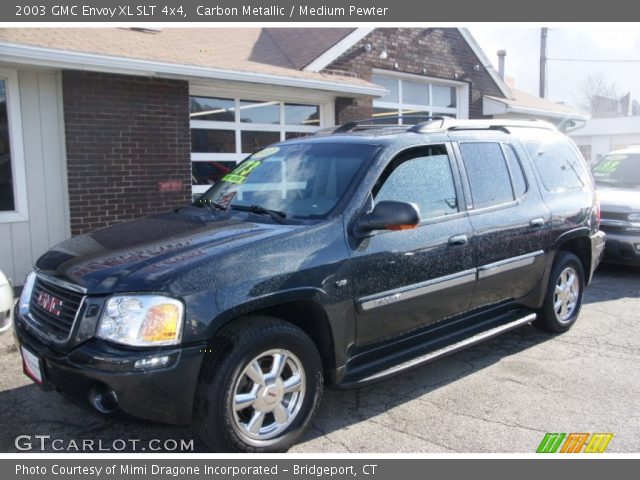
point(444, 351)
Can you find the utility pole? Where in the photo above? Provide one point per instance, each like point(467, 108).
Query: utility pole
point(543, 62)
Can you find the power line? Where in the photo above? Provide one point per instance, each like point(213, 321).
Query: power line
point(603, 60)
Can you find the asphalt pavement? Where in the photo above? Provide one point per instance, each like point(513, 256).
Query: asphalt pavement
point(501, 396)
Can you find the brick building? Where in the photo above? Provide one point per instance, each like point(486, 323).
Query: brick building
point(99, 126)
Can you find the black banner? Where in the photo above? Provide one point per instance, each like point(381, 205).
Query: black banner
point(298, 469)
point(378, 11)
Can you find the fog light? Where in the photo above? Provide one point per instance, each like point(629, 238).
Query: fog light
point(103, 400)
point(152, 362)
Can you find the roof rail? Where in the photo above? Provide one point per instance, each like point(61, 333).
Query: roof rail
point(437, 124)
point(374, 123)
point(452, 124)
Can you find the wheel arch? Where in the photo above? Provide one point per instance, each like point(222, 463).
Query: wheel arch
point(306, 313)
point(578, 243)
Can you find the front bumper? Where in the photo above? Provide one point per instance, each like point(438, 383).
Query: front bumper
point(162, 394)
point(622, 249)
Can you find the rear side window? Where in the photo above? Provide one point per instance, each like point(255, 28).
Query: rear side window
point(559, 165)
point(422, 177)
point(487, 172)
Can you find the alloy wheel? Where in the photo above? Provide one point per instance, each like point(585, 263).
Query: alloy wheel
point(566, 294)
point(268, 394)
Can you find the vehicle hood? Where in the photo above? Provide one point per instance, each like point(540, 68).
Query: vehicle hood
point(146, 254)
point(620, 200)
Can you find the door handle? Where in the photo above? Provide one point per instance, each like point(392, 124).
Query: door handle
point(536, 223)
point(458, 241)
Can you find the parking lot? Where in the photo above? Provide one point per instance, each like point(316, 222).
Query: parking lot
point(501, 396)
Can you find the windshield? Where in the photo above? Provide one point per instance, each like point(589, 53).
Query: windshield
point(299, 180)
point(618, 170)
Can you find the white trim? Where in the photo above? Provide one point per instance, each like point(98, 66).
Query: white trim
point(415, 77)
point(463, 101)
point(63, 154)
point(338, 49)
point(48, 57)
point(492, 106)
point(219, 157)
point(225, 89)
point(486, 63)
point(255, 127)
point(325, 107)
point(412, 106)
point(18, 169)
point(462, 94)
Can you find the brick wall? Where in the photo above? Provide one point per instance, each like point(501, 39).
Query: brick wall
point(432, 52)
point(128, 147)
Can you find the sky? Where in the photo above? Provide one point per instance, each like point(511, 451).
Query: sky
point(564, 78)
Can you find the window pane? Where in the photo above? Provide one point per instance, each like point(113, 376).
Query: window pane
point(208, 173)
point(213, 141)
point(301, 114)
point(585, 150)
point(619, 170)
point(390, 84)
point(254, 141)
point(444, 96)
point(426, 181)
point(208, 108)
point(291, 135)
point(381, 115)
point(6, 179)
point(440, 114)
point(411, 117)
point(259, 112)
point(557, 163)
point(414, 92)
point(487, 172)
point(517, 177)
point(305, 180)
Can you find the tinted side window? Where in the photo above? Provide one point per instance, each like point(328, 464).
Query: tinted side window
point(487, 173)
point(557, 163)
point(423, 178)
point(517, 177)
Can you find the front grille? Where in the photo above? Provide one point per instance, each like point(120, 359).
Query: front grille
point(55, 322)
point(618, 223)
point(614, 215)
point(612, 229)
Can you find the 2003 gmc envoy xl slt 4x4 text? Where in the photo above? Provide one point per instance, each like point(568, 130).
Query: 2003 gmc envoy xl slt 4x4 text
point(338, 259)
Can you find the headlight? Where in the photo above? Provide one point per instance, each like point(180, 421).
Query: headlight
point(633, 217)
point(142, 320)
point(25, 296)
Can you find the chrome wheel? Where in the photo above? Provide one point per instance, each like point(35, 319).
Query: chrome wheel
point(566, 295)
point(268, 394)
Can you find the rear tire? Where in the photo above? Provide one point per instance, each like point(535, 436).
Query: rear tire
point(261, 388)
point(563, 298)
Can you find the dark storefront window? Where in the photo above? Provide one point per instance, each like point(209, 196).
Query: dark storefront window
point(7, 202)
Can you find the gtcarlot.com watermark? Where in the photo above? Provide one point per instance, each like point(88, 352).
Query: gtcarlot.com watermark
point(47, 443)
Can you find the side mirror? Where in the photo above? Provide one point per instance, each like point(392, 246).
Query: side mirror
point(388, 215)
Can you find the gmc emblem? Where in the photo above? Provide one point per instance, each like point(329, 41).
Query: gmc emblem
point(50, 303)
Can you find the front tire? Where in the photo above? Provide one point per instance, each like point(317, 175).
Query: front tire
point(259, 389)
point(563, 299)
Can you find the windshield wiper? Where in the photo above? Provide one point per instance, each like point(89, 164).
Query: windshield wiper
point(213, 206)
point(276, 215)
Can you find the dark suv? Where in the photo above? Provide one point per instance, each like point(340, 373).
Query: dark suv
point(339, 259)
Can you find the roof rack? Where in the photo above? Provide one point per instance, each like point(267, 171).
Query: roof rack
point(435, 124)
point(374, 123)
point(452, 125)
